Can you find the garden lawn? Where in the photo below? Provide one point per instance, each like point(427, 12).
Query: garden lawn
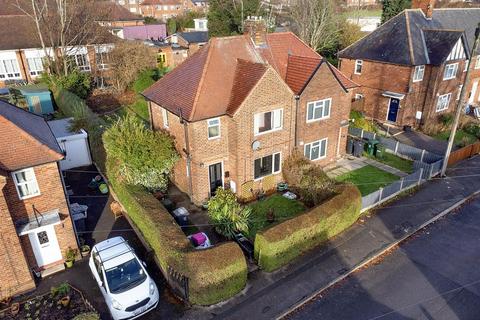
point(368, 179)
point(283, 209)
point(459, 136)
point(395, 161)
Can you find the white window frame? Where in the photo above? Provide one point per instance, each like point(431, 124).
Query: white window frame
point(256, 128)
point(358, 63)
point(453, 66)
point(477, 62)
point(165, 117)
point(78, 58)
point(6, 73)
point(446, 96)
point(210, 125)
point(467, 62)
point(34, 68)
point(419, 73)
point(273, 165)
point(317, 105)
point(359, 96)
point(316, 144)
point(33, 182)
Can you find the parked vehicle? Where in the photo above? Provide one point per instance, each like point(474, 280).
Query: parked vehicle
point(128, 290)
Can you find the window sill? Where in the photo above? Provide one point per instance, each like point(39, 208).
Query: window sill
point(317, 120)
point(321, 158)
point(214, 138)
point(268, 175)
point(30, 196)
point(267, 132)
point(444, 79)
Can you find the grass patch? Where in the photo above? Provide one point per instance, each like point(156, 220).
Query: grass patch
point(394, 161)
point(283, 209)
point(461, 136)
point(368, 179)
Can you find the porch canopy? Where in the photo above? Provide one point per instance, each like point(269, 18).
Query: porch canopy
point(44, 219)
point(395, 95)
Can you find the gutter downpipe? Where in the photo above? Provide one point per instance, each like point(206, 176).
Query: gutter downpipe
point(295, 126)
point(189, 157)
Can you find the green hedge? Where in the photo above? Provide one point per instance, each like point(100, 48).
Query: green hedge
point(280, 244)
point(71, 105)
point(214, 274)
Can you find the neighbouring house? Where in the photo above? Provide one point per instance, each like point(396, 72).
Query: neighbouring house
point(165, 9)
point(241, 104)
point(170, 55)
point(21, 53)
point(116, 17)
point(366, 24)
point(199, 24)
point(192, 40)
point(36, 228)
point(131, 5)
point(361, 3)
point(146, 32)
point(412, 68)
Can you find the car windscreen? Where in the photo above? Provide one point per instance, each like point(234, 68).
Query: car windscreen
point(125, 276)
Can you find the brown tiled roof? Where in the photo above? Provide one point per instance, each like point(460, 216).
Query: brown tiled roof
point(111, 11)
point(217, 78)
point(346, 82)
point(25, 139)
point(247, 75)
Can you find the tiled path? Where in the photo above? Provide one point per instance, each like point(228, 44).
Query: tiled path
point(349, 164)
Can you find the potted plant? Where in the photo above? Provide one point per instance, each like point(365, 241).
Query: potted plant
point(70, 255)
point(15, 308)
point(61, 291)
point(85, 250)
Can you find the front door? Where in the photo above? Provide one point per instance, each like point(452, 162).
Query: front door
point(471, 99)
point(393, 109)
point(216, 178)
point(45, 245)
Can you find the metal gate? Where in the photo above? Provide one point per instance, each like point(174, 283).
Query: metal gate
point(178, 283)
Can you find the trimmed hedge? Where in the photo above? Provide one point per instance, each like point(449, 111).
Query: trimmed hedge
point(280, 244)
point(214, 274)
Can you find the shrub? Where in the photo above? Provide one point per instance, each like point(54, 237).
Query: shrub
point(214, 275)
point(446, 119)
point(78, 83)
point(307, 179)
point(144, 157)
point(87, 316)
point(227, 214)
point(360, 122)
point(280, 244)
point(473, 129)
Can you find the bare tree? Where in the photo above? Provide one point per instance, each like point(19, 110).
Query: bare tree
point(316, 22)
point(127, 60)
point(63, 24)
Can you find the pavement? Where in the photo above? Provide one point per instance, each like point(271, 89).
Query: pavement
point(351, 163)
point(432, 276)
point(422, 141)
point(269, 295)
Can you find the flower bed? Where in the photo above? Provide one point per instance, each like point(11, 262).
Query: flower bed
point(49, 306)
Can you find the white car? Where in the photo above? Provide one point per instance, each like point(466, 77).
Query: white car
point(125, 284)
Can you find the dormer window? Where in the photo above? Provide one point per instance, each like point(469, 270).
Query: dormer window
point(358, 66)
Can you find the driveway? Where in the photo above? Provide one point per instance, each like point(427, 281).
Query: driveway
point(422, 141)
point(101, 225)
point(432, 276)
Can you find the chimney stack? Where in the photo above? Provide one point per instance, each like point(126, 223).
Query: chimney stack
point(256, 28)
point(426, 6)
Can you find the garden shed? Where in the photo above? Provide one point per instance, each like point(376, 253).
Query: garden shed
point(38, 98)
point(74, 144)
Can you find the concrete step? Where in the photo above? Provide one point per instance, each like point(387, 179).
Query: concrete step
point(51, 270)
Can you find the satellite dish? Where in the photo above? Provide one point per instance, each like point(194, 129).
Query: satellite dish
point(256, 145)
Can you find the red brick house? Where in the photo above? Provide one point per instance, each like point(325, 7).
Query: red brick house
point(36, 228)
point(240, 105)
point(411, 69)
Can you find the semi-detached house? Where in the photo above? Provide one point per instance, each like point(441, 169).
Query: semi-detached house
point(240, 105)
point(412, 68)
point(36, 229)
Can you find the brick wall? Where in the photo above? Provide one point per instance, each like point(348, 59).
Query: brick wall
point(15, 277)
point(51, 197)
point(323, 85)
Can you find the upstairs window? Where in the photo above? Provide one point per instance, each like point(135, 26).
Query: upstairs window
point(102, 60)
point(418, 74)
point(268, 121)
point(318, 110)
point(267, 165)
point(26, 183)
point(443, 101)
point(358, 66)
point(35, 66)
point(213, 128)
point(450, 71)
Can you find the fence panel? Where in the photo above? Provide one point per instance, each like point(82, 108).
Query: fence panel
point(429, 157)
point(388, 143)
point(411, 179)
point(436, 168)
point(422, 165)
point(370, 199)
point(409, 151)
point(391, 189)
point(369, 135)
point(355, 131)
point(464, 153)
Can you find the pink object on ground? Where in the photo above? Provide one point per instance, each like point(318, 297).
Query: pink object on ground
point(198, 239)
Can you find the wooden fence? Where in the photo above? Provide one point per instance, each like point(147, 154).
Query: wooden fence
point(464, 153)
